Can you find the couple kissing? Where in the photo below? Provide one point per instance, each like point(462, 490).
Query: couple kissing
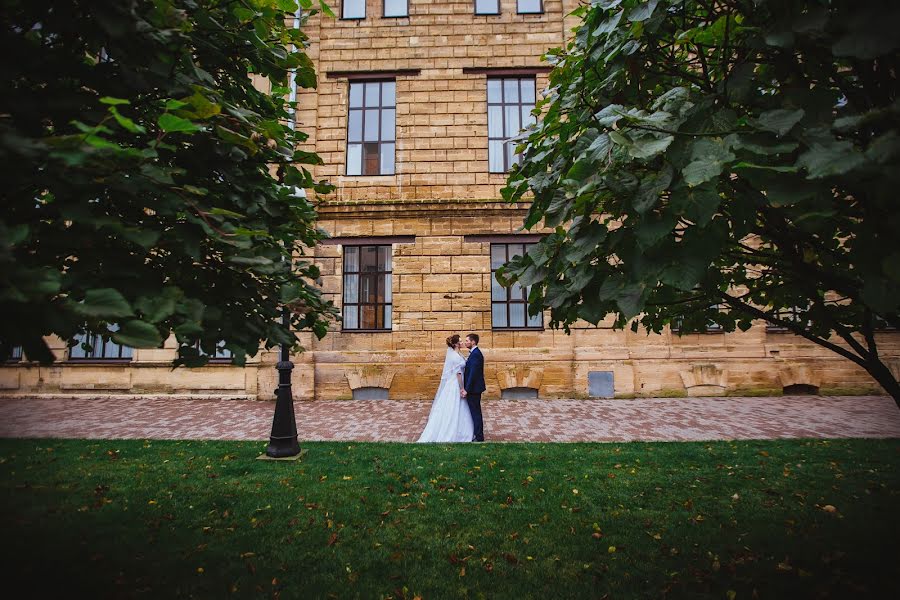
point(456, 410)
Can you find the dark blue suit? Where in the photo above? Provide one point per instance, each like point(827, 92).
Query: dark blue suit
point(473, 383)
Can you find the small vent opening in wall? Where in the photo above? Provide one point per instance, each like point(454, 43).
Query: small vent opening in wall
point(370, 393)
point(601, 384)
point(800, 389)
point(518, 393)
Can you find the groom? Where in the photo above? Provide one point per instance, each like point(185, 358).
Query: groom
point(473, 384)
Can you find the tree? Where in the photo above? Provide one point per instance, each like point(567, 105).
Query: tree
point(721, 161)
point(149, 187)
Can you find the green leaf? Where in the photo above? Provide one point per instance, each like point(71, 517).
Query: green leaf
point(642, 11)
point(697, 204)
point(113, 101)
point(647, 147)
point(708, 158)
point(172, 124)
point(105, 303)
point(778, 121)
point(828, 160)
point(137, 334)
point(226, 213)
point(125, 122)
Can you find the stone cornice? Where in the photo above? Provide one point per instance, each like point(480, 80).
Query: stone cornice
point(417, 208)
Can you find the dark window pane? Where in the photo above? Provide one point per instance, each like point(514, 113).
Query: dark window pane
point(367, 317)
point(516, 250)
point(369, 259)
point(370, 159)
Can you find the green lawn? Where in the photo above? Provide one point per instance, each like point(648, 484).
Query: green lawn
point(634, 520)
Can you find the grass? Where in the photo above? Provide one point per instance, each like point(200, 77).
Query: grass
point(768, 519)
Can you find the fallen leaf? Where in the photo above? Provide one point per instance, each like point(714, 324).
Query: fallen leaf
point(462, 572)
point(784, 566)
point(731, 594)
point(829, 508)
point(332, 539)
point(596, 535)
point(200, 570)
point(611, 549)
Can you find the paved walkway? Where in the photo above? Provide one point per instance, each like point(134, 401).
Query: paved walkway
point(662, 419)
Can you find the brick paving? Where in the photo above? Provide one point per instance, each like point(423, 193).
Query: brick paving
point(653, 419)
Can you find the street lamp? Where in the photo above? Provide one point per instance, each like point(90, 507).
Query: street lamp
point(283, 439)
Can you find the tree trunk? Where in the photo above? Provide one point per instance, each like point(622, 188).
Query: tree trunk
point(883, 375)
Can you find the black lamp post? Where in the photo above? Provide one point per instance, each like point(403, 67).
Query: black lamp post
point(283, 440)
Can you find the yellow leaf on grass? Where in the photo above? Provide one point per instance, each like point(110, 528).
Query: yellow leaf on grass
point(611, 549)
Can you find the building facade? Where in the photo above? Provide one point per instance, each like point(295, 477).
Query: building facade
point(415, 106)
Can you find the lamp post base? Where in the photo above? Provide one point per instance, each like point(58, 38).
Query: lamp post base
point(283, 440)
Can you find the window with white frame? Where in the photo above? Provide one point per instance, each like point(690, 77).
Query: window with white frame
point(509, 306)
point(396, 8)
point(15, 354)
point(353, 9)
point(367, 299)
point(510, 102)
point(371, 128)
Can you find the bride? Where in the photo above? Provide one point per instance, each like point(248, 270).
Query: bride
point(450, 419)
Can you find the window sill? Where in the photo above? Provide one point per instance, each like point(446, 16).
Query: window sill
point(99, 361)
point(379, 176)
point(502, 329)
point(707, 332)
point(367, 330)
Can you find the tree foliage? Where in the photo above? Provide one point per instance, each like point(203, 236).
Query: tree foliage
point(147, 182)
point(721, 161)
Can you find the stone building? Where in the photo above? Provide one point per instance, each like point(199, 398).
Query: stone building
point(415, 101)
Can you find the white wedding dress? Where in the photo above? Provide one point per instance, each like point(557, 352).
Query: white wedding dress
point(450, 419)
